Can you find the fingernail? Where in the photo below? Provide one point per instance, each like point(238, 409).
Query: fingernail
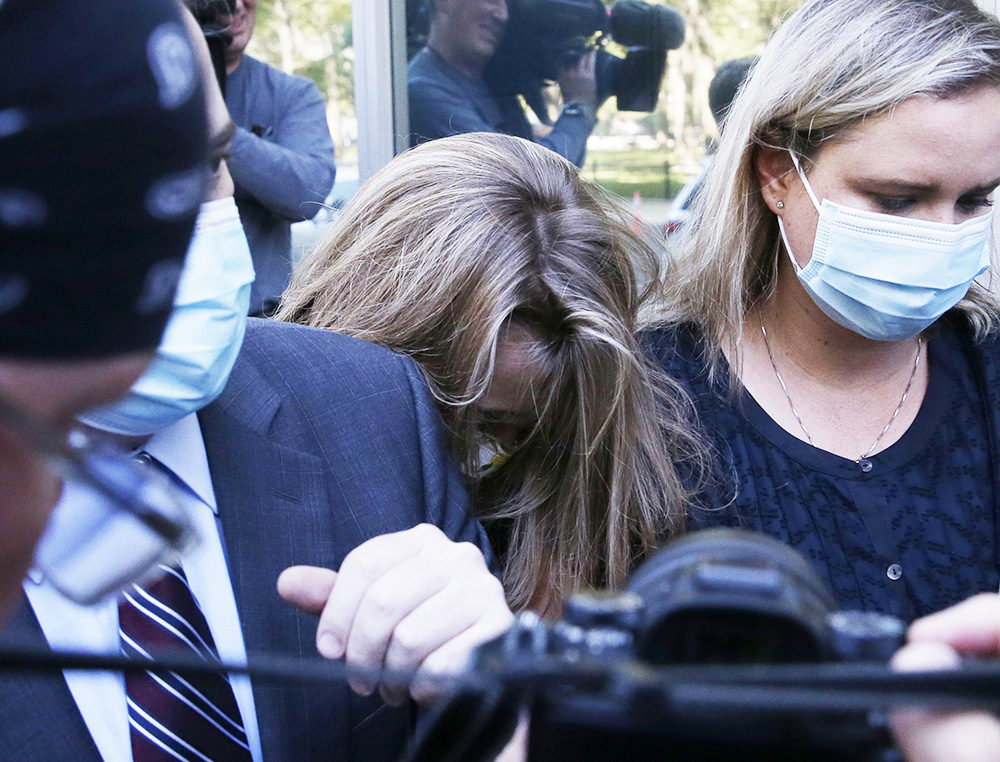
point(329, 646)
point(362, 689)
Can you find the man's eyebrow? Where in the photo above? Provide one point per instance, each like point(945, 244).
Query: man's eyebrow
point(220, 141)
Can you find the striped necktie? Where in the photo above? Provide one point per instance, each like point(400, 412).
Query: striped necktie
point(173, 717)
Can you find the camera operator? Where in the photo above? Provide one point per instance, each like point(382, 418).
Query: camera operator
point(449, 97)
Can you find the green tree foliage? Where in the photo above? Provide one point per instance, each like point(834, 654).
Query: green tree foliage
point(717, 31)
point(313, 38)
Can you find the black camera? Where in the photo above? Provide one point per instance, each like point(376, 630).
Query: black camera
point(544, 35)
point(214, 16)
point(598, 683)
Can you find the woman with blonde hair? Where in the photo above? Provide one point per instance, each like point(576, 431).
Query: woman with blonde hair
point(830, 311)
point(515, 285)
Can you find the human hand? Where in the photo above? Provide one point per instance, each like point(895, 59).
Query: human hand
point(516, 749)
point(578, 81)
point(971, 628)
point(411, 600)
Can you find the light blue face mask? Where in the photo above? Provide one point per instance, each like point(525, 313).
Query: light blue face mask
point(887, 277)
point(203, 335)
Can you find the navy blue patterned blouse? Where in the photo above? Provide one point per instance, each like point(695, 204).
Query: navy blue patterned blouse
point(909, 532)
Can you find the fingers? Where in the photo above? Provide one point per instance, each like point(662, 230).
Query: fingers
point(359, 571)
point(412, 600)
point(453, 656)
point(925, 656)
point(445, 616)
point(386, 603)
point(439, 635)
point(585, 65)
point(306, 587)
point(421, 606)
point(971, 627)
point(516, 749)
point(942, 736)
point(578, 81)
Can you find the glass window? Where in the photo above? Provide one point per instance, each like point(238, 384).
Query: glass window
point(313, 39)
point(619, 88)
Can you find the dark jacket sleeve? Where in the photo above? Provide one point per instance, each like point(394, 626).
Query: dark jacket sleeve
point(445, 498)
point(569, 137)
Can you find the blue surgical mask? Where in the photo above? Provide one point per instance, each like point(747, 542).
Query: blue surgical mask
point(887, 277)
point(203, 335)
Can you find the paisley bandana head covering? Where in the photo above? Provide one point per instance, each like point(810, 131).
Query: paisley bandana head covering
point(103, 165)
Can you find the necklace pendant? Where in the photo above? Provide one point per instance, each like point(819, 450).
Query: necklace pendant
point(865, 464)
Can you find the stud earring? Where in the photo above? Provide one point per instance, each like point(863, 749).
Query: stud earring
point(780, 205)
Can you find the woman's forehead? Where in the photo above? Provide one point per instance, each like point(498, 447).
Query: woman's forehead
point(925, 140)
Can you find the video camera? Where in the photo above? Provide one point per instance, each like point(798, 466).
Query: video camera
point(545, 35)
point(604, 683)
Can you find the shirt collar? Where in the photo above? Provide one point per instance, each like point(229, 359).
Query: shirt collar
point(181, 448)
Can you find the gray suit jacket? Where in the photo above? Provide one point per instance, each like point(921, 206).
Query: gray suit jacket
point(318, 443)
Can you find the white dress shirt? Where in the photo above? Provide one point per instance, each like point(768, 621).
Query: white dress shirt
point(100, 696)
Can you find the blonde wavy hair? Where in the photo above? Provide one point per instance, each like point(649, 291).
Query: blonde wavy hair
point(832, 64)
point(435, 257)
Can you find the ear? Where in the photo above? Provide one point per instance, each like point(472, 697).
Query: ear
point(775, 173)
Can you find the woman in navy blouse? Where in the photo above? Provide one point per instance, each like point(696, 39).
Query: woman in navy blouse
point(830, 313)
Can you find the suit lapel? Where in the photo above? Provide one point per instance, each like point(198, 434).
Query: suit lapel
point(39, 720)
point(275, 512)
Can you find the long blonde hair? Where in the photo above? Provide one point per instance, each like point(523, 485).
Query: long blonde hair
point(435, 257)
point(832, 64)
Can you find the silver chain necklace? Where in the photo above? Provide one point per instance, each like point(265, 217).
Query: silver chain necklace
point(791, 405)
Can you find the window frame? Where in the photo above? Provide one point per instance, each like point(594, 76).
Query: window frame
point(379, 28)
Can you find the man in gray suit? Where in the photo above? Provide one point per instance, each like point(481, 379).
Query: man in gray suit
point(282, 156)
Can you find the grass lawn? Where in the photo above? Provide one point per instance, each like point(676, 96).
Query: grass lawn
point(628, 171)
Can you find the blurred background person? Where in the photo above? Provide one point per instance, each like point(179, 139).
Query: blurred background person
point(721, 91)
point(725, 85)
point(829, 311)
point(102, 167)
point(281, 157)
point(448, 96)
point(515, 285)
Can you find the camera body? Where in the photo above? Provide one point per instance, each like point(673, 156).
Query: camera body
point(213, 16)
point(545, 35)
point(597, 683)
